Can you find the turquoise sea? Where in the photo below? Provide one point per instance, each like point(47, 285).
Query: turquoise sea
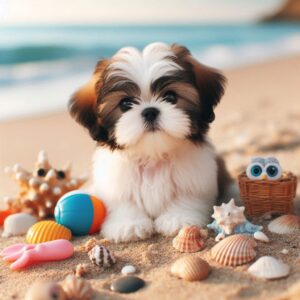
point(50, 62)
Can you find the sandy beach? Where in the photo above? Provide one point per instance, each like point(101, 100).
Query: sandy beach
point(259, 115)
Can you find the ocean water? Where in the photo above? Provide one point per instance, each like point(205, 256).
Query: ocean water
point(41, 66)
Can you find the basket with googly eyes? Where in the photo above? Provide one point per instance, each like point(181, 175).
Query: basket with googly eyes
point(264, 187)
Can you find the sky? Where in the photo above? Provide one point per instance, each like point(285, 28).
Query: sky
point(18, 12)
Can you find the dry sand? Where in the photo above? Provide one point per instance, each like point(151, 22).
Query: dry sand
point(259, 115)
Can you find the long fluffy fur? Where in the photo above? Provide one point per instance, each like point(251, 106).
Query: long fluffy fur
point(152, 180)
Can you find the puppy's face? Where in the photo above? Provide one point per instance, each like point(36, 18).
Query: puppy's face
point(148, 101)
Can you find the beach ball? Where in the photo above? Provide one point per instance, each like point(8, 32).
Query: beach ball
point(80, 212)
point(45, 231)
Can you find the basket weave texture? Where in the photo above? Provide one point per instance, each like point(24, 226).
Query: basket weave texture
point(262, 196)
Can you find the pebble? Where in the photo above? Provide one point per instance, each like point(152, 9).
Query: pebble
point(128, 270)
point(284, 251)
point(127, 284)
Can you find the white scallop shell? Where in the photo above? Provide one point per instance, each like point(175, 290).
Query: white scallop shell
point(234, 250)
point(101, 256)
point(260, 236)
point(18, 224)
point(268, 267)
point(285, 224)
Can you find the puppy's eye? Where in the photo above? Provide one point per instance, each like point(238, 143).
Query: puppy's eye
point(170, 97)
point(126, 104)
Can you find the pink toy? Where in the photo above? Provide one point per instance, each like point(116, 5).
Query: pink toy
point(24, 255)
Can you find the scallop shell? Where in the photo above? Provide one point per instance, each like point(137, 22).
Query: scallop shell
point(190, 268)
point(45, 291)
point(189, 239)
point(18, 224)
point(268, 267)
point(77, 288)
point(234, 250)
point(45, 231)
point(285, 224)
point(101, 256)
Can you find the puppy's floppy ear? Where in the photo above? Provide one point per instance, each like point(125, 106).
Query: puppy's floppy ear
point(83, 103)
point(210, 84)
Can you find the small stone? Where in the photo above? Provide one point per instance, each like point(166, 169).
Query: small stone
point(284, 251)
point(128, 284)
point(128, 270)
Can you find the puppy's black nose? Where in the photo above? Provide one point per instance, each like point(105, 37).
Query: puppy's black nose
point(150, 114)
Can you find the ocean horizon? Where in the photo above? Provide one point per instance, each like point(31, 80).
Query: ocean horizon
point(41, 66)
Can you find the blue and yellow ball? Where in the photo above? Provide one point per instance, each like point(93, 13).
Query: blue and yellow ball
point(80, 212)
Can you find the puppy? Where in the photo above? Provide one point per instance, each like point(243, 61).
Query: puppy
point(149, 112)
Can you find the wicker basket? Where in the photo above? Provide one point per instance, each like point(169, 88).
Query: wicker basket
point(261, 196)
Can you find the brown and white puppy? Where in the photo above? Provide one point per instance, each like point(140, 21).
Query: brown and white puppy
point(149, 112)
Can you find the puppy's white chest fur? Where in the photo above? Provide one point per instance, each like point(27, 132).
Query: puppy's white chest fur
point(163, 194)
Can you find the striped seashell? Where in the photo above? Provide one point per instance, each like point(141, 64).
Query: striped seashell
point(234, 250)
point(189, 239)
point(101, 256)
point(268, 267)
point(190, 268)
point(285, 224)
point(77, 288)
point(45, 231)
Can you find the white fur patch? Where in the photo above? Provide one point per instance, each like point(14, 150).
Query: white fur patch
point(144, 67)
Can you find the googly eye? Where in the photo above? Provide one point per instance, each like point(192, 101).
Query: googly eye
point(273, 171)
point(254, 171)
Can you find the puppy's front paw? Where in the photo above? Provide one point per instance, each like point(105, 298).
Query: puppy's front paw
point(127, 229)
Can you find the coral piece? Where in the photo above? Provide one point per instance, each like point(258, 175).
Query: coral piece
point(4, 214)
point(77, 288)
point(18, 224)
point(234, 250)
point(230, 219)
point(101, 256)
point(268, 267)
point(190, 268)
point(45, 231)
point(189, 239)
point(285, 224)
point(45, 291)
point(41, 189)
point(24, 255)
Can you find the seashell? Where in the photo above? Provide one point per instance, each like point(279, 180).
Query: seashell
point(268, 267)
point(234, 250)
point(189, 239)
point(45, 231)
point(260, 236)
point(18, 224)
point(45, 291)
point(128, 270)
point(77, 288)
point(285, 224)
point(190, 268)
point(81, 270)
point(101, 256)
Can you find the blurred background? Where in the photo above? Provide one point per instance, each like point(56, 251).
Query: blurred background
point(48, 48)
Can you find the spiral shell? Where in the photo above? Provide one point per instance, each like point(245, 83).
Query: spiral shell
point(285, 224)
point(268, 267)
point(77, 288)
point(234, 250)
point(190, 268)
point(45, 231)
point(101, 256)
point(189, 239)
